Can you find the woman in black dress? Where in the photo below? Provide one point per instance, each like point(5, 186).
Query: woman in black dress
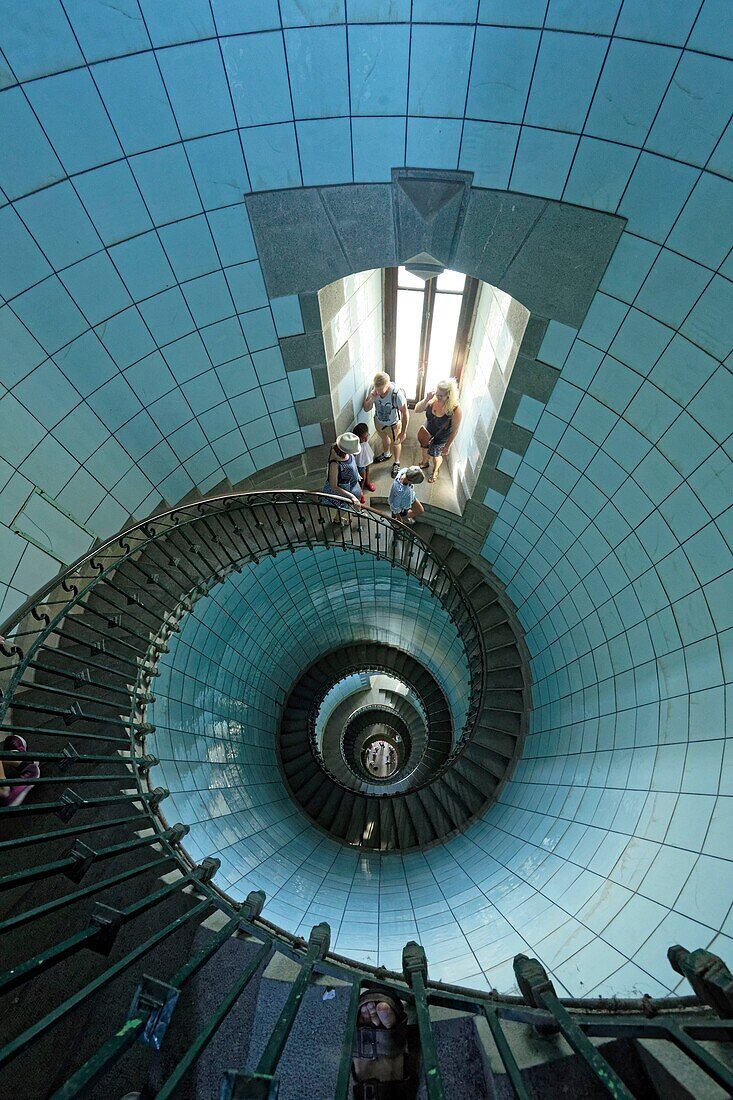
point(442, 420)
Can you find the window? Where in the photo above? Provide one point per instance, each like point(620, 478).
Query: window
point(426, 328)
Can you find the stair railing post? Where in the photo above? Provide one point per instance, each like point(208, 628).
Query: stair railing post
point(539, 992)
point(261, 1085)
point(708, 975)
point(415, 969)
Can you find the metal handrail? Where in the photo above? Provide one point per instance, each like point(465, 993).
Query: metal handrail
point(89, 570)
point(50, 615)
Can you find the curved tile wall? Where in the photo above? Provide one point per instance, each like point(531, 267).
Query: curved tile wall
point(140, 359)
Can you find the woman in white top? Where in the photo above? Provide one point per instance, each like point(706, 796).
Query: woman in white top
point(442, 421)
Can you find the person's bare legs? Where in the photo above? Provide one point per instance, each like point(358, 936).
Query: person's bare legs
point(385, 434)
point(437, 463)
point(397, 447)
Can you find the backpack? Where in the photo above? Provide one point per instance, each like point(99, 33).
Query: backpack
point(395, 391)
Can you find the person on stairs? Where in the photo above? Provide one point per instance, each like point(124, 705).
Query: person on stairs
point(403, 500)
point(14, 774)
point(442, 421)
point(385, 1058)
point(364, 458)
point(342, 476)
point(390, 417)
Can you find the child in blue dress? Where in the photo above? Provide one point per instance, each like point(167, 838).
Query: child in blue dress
point(402, 499)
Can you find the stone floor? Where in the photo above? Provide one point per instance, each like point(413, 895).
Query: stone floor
point(441, 494)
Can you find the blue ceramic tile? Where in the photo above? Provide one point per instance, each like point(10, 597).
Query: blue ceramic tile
point(29, 161)
point(197, 86)
point(150, 378)
point(233, 235)
point(86, 363)
point(113, 202)
point(189, 247)
point(672, 288)
point(564, 80)
point(49, 312)
point(233, 18)
point(711, 407)
point(47, 391)
point(135, 97)
point(126, 338)
point(271, 153)
point(217, 164)
point(429, 139)
point(143, 265)
point(439, 63)
point(542, 162)
point(166, 183)
point(501, 72)
point(318, 11)
point(656, 21)
point(435, 11)
point(247, 286)
point(378, 68)
point(223, 341)
point(167, 316)
point(710, 323)
point(73, 115)
point(632, 84)
point(287, 315)
point(487, 150)
point(657, 191)
point(209, 298)
point(325, 151)
point(259, 329)
point(599, 174)
point(96, 288)
point(107, 32)
point(378, 11)
point(40, 42)
point(258, 78)
point(317, 66)
point(629, 266)
point(378, 146)
point(23, 261)
point(59, 224)
point(525, 13)
point(188, 20)
point(694, 112)
point(697, 231)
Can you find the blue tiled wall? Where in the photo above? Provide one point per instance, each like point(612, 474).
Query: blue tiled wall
point(118, 329)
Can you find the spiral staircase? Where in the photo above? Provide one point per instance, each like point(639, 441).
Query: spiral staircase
point(128, 969)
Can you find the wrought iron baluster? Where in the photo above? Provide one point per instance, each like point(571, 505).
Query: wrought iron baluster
point(318, 945)
point(29, 915)
point(538, 990)
point(344, 1073)
point(71, 802)
point(81, 857)
point(152, 1008)
point(101, 931)
point(72, 831)
point(415, 969)
point(506, 1055)
point(30, 1034)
